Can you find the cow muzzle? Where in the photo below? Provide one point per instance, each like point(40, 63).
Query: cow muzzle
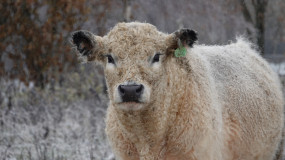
point(131, 93)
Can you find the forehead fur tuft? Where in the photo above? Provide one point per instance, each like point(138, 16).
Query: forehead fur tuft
point(135, 37)
point(133, 28)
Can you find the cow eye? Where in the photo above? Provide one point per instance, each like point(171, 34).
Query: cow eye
point(156, 57)
point(110, 59)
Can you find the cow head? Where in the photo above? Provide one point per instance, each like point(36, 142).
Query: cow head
point(135, 56)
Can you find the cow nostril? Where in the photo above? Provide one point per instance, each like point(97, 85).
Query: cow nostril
point(121, 90)
point(139, 90)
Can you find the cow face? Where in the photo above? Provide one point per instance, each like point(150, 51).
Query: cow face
point(134, 56)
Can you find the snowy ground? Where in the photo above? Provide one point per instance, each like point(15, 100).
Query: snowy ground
point(61, 122)
point(279, 68)
point(58, 123)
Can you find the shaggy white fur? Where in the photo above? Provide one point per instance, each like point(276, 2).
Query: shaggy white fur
point(217, 103)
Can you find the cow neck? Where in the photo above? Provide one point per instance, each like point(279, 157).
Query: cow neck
point(144, 125)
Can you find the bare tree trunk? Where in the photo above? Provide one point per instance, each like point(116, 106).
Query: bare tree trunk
point(256, 18)
point(127, 9)
point(246, 14)
point(260, 9)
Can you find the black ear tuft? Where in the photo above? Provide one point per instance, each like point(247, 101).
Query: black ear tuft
point(84, 42)
point(187, 36)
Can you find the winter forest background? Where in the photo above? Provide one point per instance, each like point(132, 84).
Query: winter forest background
point(53, 108)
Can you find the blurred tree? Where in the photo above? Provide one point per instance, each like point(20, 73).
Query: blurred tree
point(127, 9)
point(33, 35)
point(254, 13)
point(275, 27)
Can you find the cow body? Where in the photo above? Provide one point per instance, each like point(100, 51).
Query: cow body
point(216, 103)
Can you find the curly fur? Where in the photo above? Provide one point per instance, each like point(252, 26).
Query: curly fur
point(217, 103)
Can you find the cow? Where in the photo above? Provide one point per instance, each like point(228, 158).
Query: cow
point(173, 99)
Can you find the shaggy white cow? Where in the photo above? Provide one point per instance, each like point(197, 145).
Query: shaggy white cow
point(173, 100)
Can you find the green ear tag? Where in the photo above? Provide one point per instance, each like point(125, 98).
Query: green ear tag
point(180, 52)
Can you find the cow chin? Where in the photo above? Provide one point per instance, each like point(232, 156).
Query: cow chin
point(130, 106)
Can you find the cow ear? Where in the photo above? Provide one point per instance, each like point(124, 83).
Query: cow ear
point(88, 46)
point(187, 37)
point(181, 38)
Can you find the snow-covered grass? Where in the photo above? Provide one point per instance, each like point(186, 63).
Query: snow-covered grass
point(61, 122)
point(279, 68)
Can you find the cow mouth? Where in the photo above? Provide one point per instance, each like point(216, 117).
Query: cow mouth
point(133, 105)
point(131, 102)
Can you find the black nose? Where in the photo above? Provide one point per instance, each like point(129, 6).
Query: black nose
point(131, 93)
